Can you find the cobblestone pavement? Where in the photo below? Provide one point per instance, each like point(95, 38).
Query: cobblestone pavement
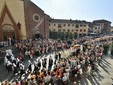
point(103, 77)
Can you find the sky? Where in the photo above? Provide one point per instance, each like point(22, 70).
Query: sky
point(88, 10)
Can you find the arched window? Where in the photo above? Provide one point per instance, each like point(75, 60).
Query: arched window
point(7, 28)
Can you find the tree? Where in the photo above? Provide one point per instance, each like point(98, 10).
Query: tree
point(112, 49)
point(55, 35)
point(66, 35)
point(70, 35)
point(106, 48)
point(62, 35)
point(52, 35)
point(75, 35)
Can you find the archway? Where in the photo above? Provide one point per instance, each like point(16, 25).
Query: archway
point(36, 33)
point(8, 32)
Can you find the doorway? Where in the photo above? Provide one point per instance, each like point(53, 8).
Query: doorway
point(7, 35)
point(38, 35)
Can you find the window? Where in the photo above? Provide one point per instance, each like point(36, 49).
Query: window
point(64, 30)
point(59, 30)
point(77, 30)
point(59, 25)
point(80, 30)
point(77, 26)
point(49, 24)
point(68, 30)
point(36, 17)
point(64, 25)
point(80, 25)
point(84, 30)
point(68, 24)
point(54, 24)
point(72, 30)
point(95, 27)
point(98, 27)
point(84, 25)
point(72, 24)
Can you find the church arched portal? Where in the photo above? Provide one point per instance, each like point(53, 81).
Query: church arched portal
point(36, 33)
point(8, 32)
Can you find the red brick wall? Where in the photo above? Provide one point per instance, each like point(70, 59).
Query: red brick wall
point(30, 10)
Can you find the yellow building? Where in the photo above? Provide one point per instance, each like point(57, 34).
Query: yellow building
point(73, 26)
point(22, 19)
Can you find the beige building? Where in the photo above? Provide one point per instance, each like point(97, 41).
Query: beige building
point(97, 29)
point(73, 26)
point(104, 25)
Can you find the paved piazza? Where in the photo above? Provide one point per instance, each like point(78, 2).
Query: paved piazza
point(103, 77)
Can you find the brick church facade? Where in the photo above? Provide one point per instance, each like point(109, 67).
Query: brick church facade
point(22, 19)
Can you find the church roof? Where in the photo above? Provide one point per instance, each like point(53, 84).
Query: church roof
point(33, 4)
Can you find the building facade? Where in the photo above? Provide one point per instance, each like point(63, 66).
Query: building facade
point(102, 26)
point(73, 26)
point(37, 22)
point(112, 29)
point(97, 29)
point(22, 19)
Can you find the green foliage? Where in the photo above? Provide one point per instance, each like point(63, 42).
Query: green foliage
point(53, 35)
point(112, 51)
point(62, 35)
point(70, 35)
point(106, 48)
point(112, 45)
point(75, 35)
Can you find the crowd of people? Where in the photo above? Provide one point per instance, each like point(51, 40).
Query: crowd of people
point(50, 67)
